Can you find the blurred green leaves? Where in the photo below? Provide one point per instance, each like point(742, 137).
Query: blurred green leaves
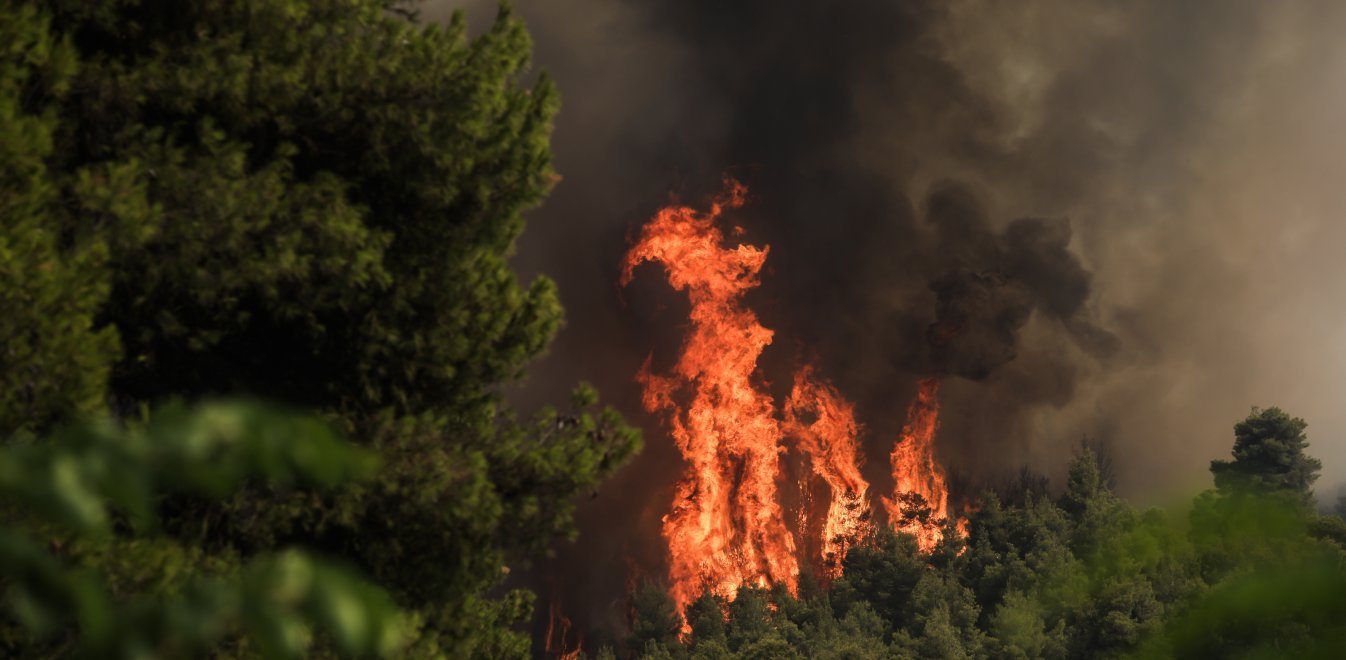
point(95, 486)
point(1275, 589)
point(75, 477)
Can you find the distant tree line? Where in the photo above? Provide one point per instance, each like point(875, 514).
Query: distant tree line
point(1250, 571)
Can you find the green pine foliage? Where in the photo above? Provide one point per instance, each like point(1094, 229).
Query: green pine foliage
point(310, 202)
point(1269, 457)
point(55, 358)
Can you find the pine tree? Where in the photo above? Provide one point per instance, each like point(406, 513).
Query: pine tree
point(313, 202)
point(706, 615)
point(1269, 457)
point(655, 617)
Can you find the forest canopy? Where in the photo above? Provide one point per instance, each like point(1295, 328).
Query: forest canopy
point(1252, 571)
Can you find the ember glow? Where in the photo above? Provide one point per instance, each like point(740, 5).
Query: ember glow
point(558, 633)
point(726, 527)
point(920, 502)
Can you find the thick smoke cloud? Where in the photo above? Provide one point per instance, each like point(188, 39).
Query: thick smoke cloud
point(1117, 220)
point(995, 282)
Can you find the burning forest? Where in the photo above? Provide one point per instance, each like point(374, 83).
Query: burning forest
point(849, 329)
point(727, 526)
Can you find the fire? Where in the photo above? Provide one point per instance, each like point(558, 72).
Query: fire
point(726, 527)
point(920, 502)
point(558, 629)
point(831, 440)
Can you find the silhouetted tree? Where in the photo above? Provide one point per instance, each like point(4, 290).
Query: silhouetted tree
point(1269, 457)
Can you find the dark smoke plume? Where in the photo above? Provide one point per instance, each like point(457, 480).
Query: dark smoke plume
point(1193, 146)
point(996, 281)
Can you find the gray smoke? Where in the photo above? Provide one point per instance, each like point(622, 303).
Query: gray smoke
point(994, 282)
point(1107, 219)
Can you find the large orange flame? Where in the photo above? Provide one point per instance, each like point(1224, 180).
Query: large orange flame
point(830, 438)
point(726, 527)
point(920, 503)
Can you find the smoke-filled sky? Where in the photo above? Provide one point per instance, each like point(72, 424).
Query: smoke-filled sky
point(1131, 212)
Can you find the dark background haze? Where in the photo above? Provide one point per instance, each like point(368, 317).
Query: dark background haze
point(1131, 212)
